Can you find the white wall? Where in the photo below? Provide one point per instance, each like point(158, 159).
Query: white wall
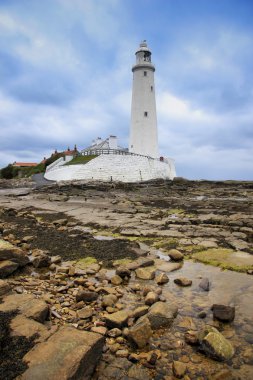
point(125, 168)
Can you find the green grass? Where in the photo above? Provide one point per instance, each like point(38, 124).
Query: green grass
point(81, 160)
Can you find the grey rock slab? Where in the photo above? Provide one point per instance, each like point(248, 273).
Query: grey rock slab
point(68, 354)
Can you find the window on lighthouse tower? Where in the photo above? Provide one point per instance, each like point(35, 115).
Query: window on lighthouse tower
point(145, 114)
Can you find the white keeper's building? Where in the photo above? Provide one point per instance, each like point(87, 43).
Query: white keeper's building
point(141, 161)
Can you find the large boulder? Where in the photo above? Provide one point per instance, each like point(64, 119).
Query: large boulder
point(68, 354)
point(215, 345)
point(161, 314)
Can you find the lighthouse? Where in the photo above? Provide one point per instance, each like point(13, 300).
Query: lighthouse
point(143, 130)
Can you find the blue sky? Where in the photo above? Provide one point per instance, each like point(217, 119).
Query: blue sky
point(65, 78)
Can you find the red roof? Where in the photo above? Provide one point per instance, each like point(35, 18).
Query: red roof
point(24, 164)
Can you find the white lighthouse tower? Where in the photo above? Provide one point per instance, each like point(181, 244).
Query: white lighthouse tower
point(143, 131)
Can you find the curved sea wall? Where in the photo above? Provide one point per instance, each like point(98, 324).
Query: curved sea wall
point(124, 168)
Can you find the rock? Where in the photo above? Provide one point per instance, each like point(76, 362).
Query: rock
point(99, 330)
point(122, 353)
point(145, 273)
point(179, 369)
point(116, 280)
point(56, 259)
point(114, 333)
point(118, 319)
point(22, 326)
point(182, 281)
point(140, 333)
point(202, 315)
point(213, 343)
point(224, 374)
point(86, 296)
point(223, 313)
point(40, 259)
point(139, 311)
point(60, 222)
point(161, 314)
point(109, 300)
point(7, 267)
point(4, 287)
point(27, 304)
point(12, 253)
point(85, 313)
point(204, 284)
point(175, 255)
point(151, 298)
point(142, 262)
point(68, 354)
point(191, 337)
point(138, 373)
point(162, 278)
point(123, 272)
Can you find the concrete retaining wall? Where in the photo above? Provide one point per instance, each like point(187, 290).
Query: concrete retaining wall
point(122, 168)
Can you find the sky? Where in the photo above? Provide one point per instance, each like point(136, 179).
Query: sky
point(65, 79)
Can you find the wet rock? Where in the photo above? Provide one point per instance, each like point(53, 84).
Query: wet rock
point(99, 330)
point(116, 280)
point(138, 373)
point(162, 278)
point(179, 369)
point(151, 298)
point(140, 333)
point(223, 313)
point(22, 326)
point(175, 255)
point(7, 267)
point(4, 287)
point(182, 281)
point(68, 354)
point(204, 284)
point(145, 273)
point(213, 343)
point(86, 296)
point(122, 353)
point(202, 315)
point(118, 319)
point(142, 262)
point(161, 314)
point(123, 272)
point(56, 259)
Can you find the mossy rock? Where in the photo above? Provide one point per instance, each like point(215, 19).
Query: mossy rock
point(86, 262)
point(121, 262)
point(226, 259)
point(176, 211)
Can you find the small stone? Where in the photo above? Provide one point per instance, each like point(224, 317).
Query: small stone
point(182, 281)
point(114, 333)
point(99, 330)
point(202, 314)
point(109, 300)
point(151, 298)
point(179, 369)
point(123, 272)
point(191, 337)
point(175, 255)
point(85, 313)
point(162, 278)
point(116, 280)
point(122, 353)
point(86, 296)
point(223, 313)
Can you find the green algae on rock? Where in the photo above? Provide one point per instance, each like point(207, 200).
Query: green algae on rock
point(226, 259)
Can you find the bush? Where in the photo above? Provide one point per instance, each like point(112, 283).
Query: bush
point(8, 172)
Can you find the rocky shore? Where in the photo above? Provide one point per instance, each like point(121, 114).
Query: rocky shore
point(126, 281)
